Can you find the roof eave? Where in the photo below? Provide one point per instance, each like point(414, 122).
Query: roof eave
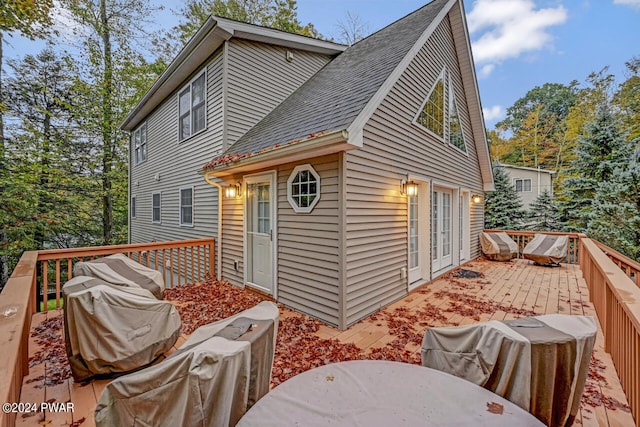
point(321, 145)
point(213, 33)
point(206, 41)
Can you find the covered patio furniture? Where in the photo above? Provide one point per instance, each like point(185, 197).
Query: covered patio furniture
point(498, 246)
point(114, 329)
point(539, 363)
point(546, 249)
point(211, 380)
point(121, 270)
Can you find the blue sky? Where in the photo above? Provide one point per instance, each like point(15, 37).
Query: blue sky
point(517, 44)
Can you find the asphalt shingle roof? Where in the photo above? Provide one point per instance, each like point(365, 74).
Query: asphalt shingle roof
point(333, 97)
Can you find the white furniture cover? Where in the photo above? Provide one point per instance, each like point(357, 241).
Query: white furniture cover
point(120, 270)
point(112, 329)
point(539, 363)
point(381, 393)
point(213, 378)
point(546, 249)
point(498, 246)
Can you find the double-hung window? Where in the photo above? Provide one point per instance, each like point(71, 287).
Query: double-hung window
point(186, 206)
point(156, 200)
point(523, 185)
point(192, 108)
point(140, 144)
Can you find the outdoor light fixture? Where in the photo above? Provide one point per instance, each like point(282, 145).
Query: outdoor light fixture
point(476, 198)
point(408, 188)
point(232, 191)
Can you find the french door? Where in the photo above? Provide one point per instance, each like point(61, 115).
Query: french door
point(441, 228)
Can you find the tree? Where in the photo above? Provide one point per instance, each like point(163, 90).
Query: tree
point(628, 99)
point(543, 214)
point(551, 100)
point(31, 19)
point(111, 29)
point(599, 152)
point(352, 29)
point(278, 14)
point(615, 217)
point(503, 208)
point(52, 191)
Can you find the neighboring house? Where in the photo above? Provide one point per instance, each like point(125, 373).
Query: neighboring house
point(348, 173)
point(529, 182)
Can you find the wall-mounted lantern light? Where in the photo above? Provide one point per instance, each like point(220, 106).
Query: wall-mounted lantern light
point(232, 191)
point(476, 198)
point(408, 188)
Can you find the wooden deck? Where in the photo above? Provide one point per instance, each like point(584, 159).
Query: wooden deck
point(507, 290)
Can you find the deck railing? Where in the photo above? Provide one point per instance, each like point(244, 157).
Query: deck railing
point(180, 262)
point(523, 237)
point(616, 299)
point(42, 272)
point(626, 264)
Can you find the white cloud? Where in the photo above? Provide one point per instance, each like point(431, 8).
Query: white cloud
point(633, 3)
point(486, 70)
point(493, 113)
point(504, 29)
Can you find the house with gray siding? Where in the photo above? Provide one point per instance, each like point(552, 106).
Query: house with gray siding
point(529, 183)
point(335, 179)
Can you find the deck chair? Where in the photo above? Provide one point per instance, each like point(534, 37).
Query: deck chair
point(111, 329)
point(546, 249)
point(211, 380)
point(539, 363)
point(120, 270)
point(498, 246)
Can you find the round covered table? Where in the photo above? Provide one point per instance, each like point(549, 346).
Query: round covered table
point(381, 393)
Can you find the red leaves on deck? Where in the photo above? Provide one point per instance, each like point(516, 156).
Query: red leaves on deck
point(49, 337)
point(208, 302)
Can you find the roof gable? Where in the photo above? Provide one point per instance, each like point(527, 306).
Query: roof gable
point(211, 35)
point(340, 93)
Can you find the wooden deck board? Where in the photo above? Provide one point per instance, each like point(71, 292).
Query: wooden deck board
point(514, 285)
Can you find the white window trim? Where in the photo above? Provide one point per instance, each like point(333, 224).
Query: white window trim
point(454, 100)
point(441, 76)
point(133, 207)
point(193, 193)
point(294, 205)
point(159, 221)
point(133, 143)
point(523, 180)
point(189, 85)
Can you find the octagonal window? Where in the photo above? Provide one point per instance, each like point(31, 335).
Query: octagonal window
point(303, 188)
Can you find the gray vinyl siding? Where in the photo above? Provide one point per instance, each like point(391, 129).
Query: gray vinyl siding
point(171, 165)
point(376, 222)
point(260, 78)
point(233, 239)
point(308, 260)
point(308, 263)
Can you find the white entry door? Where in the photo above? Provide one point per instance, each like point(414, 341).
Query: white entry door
point(441, 228)
point(259, 232)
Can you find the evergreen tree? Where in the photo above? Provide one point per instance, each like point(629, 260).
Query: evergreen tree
point(503, 208)
point(599, 152)
point(543, 214)
point(615, 218)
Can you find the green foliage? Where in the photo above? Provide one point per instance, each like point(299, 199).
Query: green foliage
point(503, 208)
point(615, 216)
point(278, 14)
point(543, 214)
point(28, 17)
point(599, 152)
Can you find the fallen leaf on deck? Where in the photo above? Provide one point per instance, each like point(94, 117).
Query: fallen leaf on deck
point(495, 408)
